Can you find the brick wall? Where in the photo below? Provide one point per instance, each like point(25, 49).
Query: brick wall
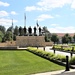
point(30, 41)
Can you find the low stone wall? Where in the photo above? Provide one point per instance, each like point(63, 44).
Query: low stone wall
point(8, 43)
point(3, 44)
point(11, 43)
point(48, 43)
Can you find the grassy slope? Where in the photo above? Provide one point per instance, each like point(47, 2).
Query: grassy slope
point(23, 62)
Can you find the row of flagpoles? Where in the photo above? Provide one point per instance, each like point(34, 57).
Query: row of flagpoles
point(24, 23)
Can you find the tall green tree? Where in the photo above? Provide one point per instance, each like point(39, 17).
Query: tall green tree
point(8, 36)
point(54, 38)
point(47, 34)
point(74, 38)
point(1, 36)
point(66, 39)
point(16, 30)
point(9, 29)
point(2, 29)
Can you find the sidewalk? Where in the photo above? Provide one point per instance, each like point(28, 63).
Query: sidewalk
point(61, 72)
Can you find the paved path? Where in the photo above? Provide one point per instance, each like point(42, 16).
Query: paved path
point(48, 49)
point(61, 72)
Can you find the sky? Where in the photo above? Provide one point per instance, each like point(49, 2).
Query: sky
point(57, 15)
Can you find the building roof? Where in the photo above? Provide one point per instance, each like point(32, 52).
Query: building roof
point(62, 34)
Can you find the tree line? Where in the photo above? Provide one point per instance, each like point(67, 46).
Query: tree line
point(65, 39)
point(6, 34)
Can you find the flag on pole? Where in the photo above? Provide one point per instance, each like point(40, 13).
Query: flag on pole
point(25, 19)
point(37, 23)
point(12, 25)
point(25, 16)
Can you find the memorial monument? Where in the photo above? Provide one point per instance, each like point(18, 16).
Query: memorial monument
point(31, 39)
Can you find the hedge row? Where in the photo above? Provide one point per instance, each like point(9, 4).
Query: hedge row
point(58, 47)
point(72, 61)
point(47, 55)
point(51, 56)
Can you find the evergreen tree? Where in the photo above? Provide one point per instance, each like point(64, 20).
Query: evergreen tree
point(16, 31)
point(66, 39)
point(2, 29)
point(54, 38)
point(47, 34)
point(74, 38)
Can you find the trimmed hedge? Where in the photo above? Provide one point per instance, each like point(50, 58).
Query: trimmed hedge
point(47, 55)
point(58, 47)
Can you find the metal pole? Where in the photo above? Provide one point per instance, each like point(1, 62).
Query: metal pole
point(25, 19)
point(44, 48)
point(67, 63)
point(12, 29)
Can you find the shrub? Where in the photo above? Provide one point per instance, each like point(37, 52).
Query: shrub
point(61, 57)
point(47, 55)
point(72, 60)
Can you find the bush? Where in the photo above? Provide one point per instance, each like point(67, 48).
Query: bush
point(47, 55)
point(72, 61)
point(61, 57)
point(59, 47)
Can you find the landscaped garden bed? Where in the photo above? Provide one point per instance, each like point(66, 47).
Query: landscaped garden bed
point(59, 59)
point(66, 48)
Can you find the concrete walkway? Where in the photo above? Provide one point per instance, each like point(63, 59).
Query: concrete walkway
point(48, 49)
point(61, 72)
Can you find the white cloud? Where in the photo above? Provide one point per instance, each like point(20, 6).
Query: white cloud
point(73, 4)
point(43, 17)
point(53, 3)
point(7, 22)
point(30, 8)
point(54, 25)
point(13, 13)
point(3, 13)
point(48, 4)
point(4, 3)
point(69, 29)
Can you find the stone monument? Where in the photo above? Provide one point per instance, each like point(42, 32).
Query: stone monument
point(33, 39)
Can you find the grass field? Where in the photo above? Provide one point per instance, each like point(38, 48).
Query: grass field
point(24, 63)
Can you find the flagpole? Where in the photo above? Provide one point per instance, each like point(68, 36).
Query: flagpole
point(12, 29)
point(25, 19)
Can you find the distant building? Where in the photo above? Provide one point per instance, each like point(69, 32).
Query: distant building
point(60, 35)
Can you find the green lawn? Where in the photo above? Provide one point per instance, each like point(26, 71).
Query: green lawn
point(24, 63)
